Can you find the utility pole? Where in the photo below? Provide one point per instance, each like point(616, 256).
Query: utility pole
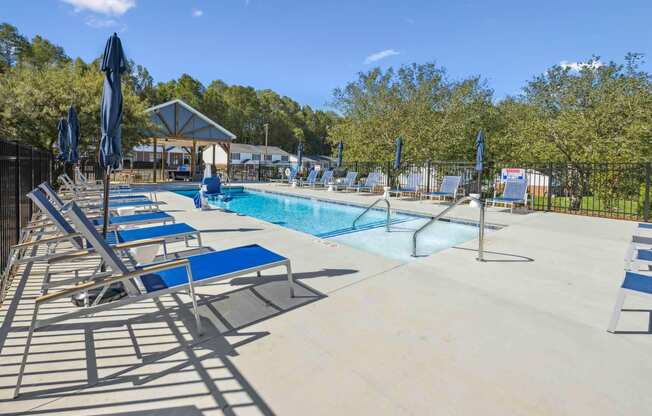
point(266, 136)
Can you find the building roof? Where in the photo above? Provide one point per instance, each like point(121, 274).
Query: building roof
point(179, 124)
point(257, 149)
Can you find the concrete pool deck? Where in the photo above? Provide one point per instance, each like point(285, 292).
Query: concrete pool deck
point(523, 333)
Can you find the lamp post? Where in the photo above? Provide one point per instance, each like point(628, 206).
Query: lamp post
point(266, 136)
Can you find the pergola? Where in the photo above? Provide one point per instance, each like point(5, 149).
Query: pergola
point(178, 124)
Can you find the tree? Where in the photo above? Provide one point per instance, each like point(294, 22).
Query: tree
point(13, 46)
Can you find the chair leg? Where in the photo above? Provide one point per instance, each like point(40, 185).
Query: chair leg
point(288, 267)
point(194, 301)
point(620, 301)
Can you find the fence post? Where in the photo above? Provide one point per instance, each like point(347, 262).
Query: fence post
point(549, 196)
point(17, 192)
point(389, 174)
point(646, 201)
point(428, 178)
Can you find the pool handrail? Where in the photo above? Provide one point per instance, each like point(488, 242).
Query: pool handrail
point(446, 211)
point(369, 209)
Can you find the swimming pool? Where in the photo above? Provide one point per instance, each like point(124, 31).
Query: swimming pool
point(334, 221)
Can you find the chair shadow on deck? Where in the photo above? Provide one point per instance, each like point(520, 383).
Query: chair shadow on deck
point(152, 364)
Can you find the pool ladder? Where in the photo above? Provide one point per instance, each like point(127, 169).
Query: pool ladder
point(446, 211)
point(369, 209)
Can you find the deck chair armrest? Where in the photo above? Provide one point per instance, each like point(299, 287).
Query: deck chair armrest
point(70, 256)
point(139, 243)
point(103, 282)
point(46, 240)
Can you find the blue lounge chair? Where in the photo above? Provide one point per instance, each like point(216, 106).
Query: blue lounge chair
point(448, 188)
point(515, 193)
point(369, 184)
point(156, 280)
point(325, 179)
point(311, 179)
point(348, 181)
point(292, 176)
point(635, 283)
point(113, 205)
point(168, 232)
point(412, 186)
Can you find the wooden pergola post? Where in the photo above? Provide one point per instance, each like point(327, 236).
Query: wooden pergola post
point(214, 168)
point(163, 176)
point(193, 158)
point(154, 163)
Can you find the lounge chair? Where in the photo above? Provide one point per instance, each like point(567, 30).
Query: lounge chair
point(448, 188)
point(634, 283)
point(97, 204)
point(325, 179)
point(412, 186)
point(515, 193)
point(82, 180)
point(89, 188)
point(92, 195)
point(292, 177)
point(311, 179)
point(348, 181)
point(369, 184)
point(151, 281)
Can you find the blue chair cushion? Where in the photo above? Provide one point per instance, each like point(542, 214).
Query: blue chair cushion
point(503, 199)
point(645, 255)
point(646, 226)
point(440, 193)
point(159, 231)
point(209, 265)
point(135, 218)
point(637, 282)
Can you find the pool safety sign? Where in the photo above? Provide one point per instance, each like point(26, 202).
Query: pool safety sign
point(512, 174)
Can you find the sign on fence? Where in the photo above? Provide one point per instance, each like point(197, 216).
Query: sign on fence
point(512, 174)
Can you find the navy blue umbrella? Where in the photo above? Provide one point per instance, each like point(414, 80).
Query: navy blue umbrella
point(62, 139)
point(299, 156)
point(399, 150)
point(113, 65)
point(340, 148)
point(479, 156)
point(73, 135)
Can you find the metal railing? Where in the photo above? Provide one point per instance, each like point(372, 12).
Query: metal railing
point(369, 209)
point(446, 211)
point(22, 168)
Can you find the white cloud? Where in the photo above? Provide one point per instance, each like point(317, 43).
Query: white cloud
point(109, 7)
point(197, 13)
point(578, 66)
point(101, 23)
point(380, 55)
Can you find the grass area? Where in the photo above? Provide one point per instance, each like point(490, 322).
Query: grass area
point(626, 207)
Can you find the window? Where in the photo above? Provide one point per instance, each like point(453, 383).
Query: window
point(285, 158)
point(255, 156)
point(235, 156)
point(268, 157)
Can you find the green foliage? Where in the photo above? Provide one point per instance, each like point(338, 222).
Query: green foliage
point(437, 118)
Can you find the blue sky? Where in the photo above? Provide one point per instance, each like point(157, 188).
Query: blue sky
point(305, 49)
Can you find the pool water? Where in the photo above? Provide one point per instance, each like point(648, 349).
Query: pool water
point(334, 221)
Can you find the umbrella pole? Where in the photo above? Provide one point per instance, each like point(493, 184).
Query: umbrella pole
point(105, 223)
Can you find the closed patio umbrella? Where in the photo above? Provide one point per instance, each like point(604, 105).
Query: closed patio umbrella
point(340, 148)
point(479, 157)
point(399, 150)
point(73, 135)
point(113, 65)
point(299, 156)
point(62, 139)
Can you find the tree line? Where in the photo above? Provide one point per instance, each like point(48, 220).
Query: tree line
point(38, 82)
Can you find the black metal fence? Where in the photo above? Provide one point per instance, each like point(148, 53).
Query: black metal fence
point(611, 190)
point(21, 169)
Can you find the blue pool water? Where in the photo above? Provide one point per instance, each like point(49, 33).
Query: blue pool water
point(333, 221)
point(320, 218)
